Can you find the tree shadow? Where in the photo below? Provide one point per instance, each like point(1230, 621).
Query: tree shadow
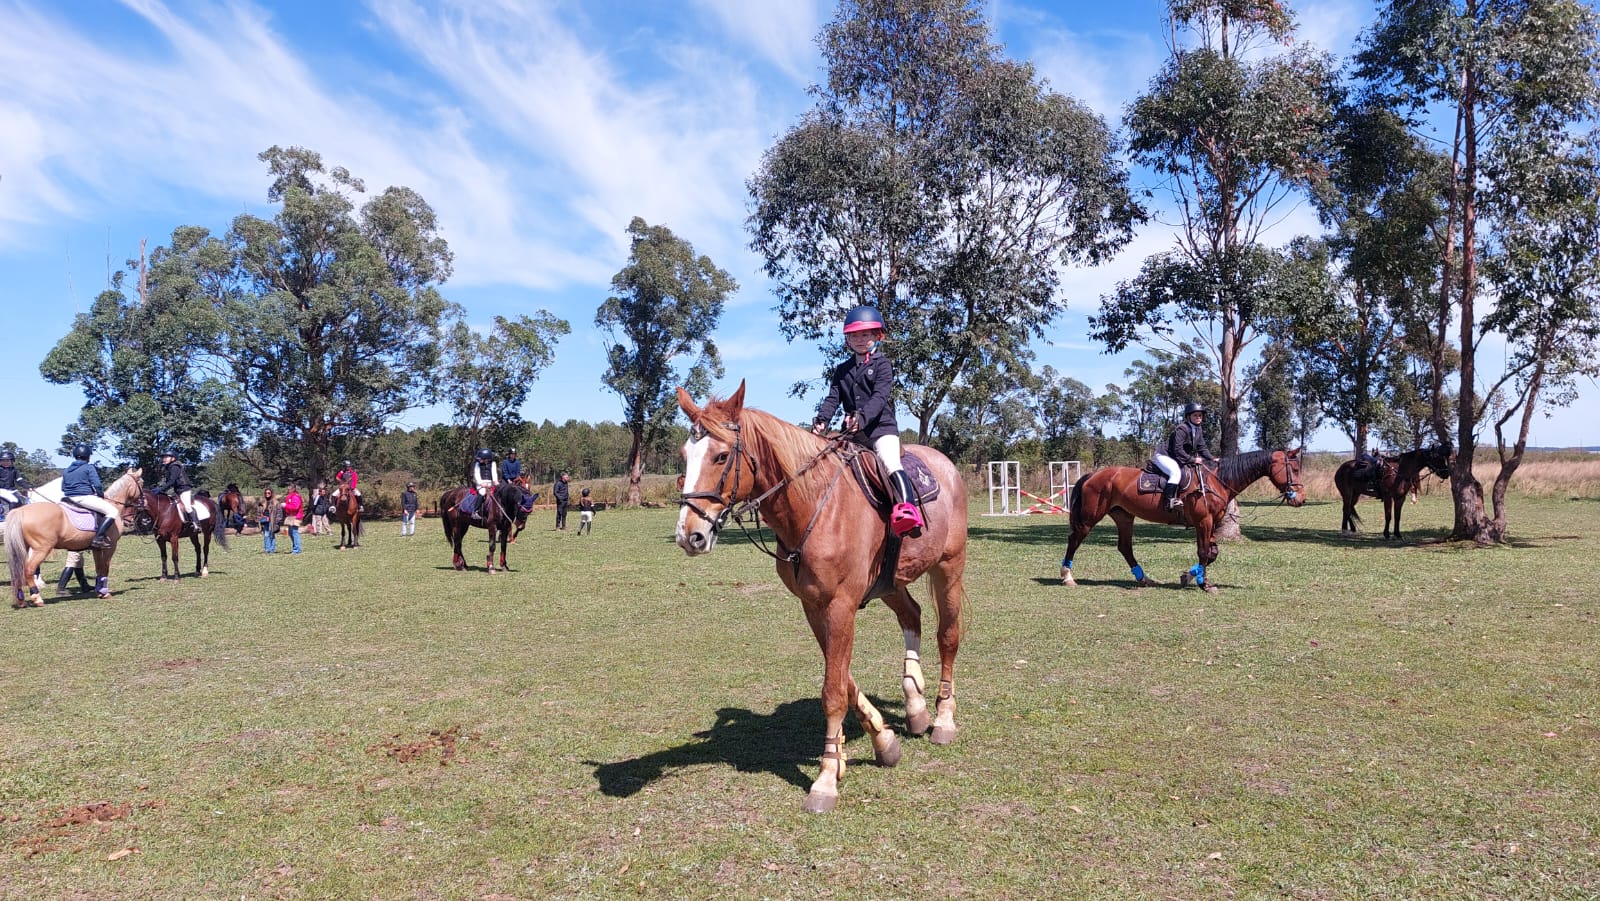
point(747, 741)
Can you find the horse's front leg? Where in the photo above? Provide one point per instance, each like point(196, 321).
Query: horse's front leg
point(1399, 504)
point(834, 625)
point(1388, 514)
point(1206, 553)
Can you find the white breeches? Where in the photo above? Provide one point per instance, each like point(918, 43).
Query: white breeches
point(1170, 467)
point(97, 504)
point(888, 448)
point(186, 501)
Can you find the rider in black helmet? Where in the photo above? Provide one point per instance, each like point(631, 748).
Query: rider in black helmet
point(177, 479)
point(81, 484)
point(1186, 446)
point(485, 475)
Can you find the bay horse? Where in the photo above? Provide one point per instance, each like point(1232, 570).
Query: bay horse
point(230, 504)
point(502, 506)
point(162, 518)
point(34, 530)
point(1114, 491)
point(831, 544)
point(1397, 477)
point(346, 511)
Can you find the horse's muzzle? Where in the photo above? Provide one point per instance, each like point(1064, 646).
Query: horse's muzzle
point(696, 541)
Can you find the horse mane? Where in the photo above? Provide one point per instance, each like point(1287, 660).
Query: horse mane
point(130, 475)
point(1242, 469)
point(780, 448)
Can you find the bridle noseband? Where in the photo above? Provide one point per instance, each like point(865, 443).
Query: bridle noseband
point(697, 432)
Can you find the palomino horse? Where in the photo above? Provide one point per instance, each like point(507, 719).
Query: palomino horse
point(35, 530)
point(1114, 490)
point(346, 511)
point(170, 526)
point(1397, 477)
point(831, 547)
point(502, 506)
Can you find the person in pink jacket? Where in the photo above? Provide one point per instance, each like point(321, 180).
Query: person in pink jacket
point(293, 509)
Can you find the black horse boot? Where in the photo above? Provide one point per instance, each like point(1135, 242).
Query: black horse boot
point(101, 542)
point(1169, 496)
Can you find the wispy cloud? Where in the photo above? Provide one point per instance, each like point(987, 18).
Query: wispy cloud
point(782, 33)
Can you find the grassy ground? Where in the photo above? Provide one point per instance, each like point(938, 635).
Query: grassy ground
point(1347, 718)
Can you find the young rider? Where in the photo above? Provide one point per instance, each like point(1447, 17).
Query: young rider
point(176, 479)
point(485, 475)
point(81, 485)
point(11, 478)
point(347, 477)
point(1185, 447)
point(513, 468)
point(864, 386)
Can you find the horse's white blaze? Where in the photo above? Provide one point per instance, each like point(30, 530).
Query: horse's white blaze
point(694, 455)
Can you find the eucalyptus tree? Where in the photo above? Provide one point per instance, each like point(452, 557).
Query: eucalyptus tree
point(147, 366)
point(1151, 401)
point(1069, 417)
point(486, 377)
point(1508, 74)
point(939, 182)
point(658, 327)
point(1546, 279)
point(1233, 134)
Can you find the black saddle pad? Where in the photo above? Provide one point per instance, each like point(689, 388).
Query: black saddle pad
point(872, 479)
point(1151, 479)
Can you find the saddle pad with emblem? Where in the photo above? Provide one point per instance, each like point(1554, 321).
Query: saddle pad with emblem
point(871, 477)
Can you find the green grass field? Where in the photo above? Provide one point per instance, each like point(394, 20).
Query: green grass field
point(1347, 718)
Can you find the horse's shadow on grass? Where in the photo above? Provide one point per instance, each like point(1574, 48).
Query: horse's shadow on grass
point(747, 741)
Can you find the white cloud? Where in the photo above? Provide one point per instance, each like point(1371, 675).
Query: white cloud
point(782, 33)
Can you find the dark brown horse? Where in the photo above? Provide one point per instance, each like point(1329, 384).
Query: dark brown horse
point(162, 518)
point(346, 511)
point(1396, 477)
point(501, 509)
point(34, 530)
point(1114, 491)
point(831, 544)
point(230, 504)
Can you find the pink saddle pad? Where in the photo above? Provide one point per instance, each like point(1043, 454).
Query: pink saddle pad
point(78, 517)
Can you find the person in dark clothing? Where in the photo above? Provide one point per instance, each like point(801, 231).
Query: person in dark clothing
point(81, 485)
point(175, 478)
point(484, 476)
point(408, 509)
point(1186, 446)
point(864, 386)
point(560, 492)
point(512, 470)
point(10, 477)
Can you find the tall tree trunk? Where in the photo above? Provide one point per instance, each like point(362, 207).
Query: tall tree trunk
point(1471, 523)
point(635, 466)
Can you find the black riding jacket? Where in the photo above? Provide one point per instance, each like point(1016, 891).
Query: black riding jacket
point(1187, 445)
point(12, 479)
point(865, 389)
point(176, 479)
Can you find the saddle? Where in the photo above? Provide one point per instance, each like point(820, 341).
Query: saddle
point(80, 518)
point(872, 477)
point(1152, 478)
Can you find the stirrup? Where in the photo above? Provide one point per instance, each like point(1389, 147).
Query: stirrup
point(906, 520)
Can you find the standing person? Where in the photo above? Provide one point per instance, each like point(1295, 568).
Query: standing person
point(864, 386)
point(1186, 446)
point(585, 513)
point(175, 478)
point(293, 509)
point(267, 514)
point(513, 468)
point(560, 491)
point(81, 485)
point(319, 510)
point(408, 509)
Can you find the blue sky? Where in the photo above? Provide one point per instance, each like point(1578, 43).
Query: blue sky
point(536, 128)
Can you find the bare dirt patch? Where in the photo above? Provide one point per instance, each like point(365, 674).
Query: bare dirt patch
point(446, 742)
point(71, 824)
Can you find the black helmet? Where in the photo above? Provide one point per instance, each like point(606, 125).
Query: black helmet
point(585, 492)
point(347, 464)
point(862, 318)
point(1193, 407)
point(485, 454)
point(512, 452)
point(169, 452)
point(7, 457)
point(82, 451)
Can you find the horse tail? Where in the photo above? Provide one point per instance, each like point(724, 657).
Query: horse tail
point(219, 526)
point(1075, 502)
point(16, 550)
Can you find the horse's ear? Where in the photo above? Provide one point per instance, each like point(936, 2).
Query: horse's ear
point(736, 402)
point(686, 404)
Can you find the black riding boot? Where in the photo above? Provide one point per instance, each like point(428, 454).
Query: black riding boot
point(100, 541)
point(1169, 496)
point(194, 520)
point(61, 583)
point(83, 580)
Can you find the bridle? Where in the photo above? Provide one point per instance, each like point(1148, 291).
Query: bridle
point(1291, 465)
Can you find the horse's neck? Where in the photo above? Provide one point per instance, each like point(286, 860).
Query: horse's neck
point(1240, 475)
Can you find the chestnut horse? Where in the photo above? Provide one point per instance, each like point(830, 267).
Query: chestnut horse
point(1397, 477)
point(34, 530)
point(162, 518)
point(230, 503)
point(831, 542)
point(502, 507)
point(346, 511)
point(1114, 490)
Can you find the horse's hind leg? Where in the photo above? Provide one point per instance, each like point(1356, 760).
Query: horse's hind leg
point(948, 594)
point(909, 614)
point(1124, 521)
point(885, 744)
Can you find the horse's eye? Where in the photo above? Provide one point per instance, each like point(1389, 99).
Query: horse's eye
point(721, 458)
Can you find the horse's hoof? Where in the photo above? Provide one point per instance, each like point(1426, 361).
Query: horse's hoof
point(1066, 577)
point(1210, 589)
point(1185, 579)
point(1146, 582)
point(943, 735)
point(37, 601)
point(890, 755)
point(820, 802)
point(917, 723)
